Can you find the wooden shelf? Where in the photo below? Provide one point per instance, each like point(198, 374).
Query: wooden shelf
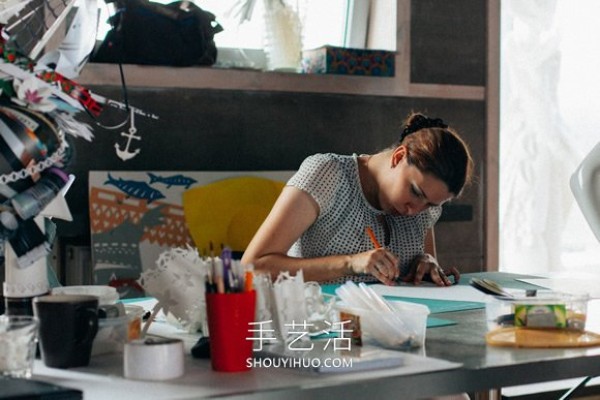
point(232, 79)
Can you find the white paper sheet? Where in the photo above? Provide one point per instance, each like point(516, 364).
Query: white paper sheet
point(455, 292)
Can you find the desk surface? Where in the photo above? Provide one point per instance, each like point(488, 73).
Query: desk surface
point(483, 368)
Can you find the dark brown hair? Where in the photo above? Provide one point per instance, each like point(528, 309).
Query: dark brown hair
point(435, 148)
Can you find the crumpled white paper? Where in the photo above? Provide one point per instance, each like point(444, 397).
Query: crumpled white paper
point(265, 305)
point(177, 282)
point(290, 305)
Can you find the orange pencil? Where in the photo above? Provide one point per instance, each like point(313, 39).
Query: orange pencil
point(248, 278)
point(372, 237)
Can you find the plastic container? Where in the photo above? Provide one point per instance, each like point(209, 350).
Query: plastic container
point(404, 328)
point(549, 310)
point(114, 332)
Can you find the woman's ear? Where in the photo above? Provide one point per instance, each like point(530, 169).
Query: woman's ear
point(398, 155)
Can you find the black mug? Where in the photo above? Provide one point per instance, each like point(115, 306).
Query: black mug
point(68, 326)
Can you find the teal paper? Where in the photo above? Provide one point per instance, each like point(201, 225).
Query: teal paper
point(440, 306)
point(329, 289)
point(433, 322)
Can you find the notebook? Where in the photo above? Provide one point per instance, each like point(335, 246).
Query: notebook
point(326, 358)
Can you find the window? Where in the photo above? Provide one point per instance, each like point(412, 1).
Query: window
point(345, 23)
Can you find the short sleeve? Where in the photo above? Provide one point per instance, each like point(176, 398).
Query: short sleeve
point(434, 213)
point(319, 176)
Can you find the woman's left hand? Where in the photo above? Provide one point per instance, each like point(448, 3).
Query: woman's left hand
point(426, 267)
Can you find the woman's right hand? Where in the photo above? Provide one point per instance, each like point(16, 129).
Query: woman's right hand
point(380, 263)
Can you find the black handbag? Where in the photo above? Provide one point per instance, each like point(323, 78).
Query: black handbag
point(145, 32)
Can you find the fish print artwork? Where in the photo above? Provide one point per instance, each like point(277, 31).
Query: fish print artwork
point(138, 189)
point(172, 180)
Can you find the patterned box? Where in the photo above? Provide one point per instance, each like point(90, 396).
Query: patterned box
point(346, 61)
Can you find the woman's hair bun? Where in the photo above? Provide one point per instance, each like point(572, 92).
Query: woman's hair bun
point(416, 122)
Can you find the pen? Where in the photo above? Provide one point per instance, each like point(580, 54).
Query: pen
point(227, 272)
point(209, 287)
point(218, 277)
point(372, 237)
point(212, 260)
point(220, 284)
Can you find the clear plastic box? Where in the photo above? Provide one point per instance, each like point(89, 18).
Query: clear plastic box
point(114, 332)
point(544, 311)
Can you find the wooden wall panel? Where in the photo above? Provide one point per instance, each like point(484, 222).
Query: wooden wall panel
point(448, 42)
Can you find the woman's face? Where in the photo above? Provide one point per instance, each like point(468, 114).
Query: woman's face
point(408, 191)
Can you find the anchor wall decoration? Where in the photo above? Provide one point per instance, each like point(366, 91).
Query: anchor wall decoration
point(127, 154)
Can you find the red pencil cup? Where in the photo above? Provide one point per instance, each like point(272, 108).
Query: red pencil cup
point(229, 318)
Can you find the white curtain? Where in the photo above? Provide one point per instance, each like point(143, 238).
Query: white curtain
point(541, 144)
point(536, 159)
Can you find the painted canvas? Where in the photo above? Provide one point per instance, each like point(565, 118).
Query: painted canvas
point(137, 215)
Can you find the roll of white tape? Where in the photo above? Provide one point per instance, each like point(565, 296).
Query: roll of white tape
point(153, 359)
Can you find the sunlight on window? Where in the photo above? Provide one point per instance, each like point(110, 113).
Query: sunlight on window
point(324, 22)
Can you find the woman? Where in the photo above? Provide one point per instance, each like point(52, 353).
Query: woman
point(318, 222)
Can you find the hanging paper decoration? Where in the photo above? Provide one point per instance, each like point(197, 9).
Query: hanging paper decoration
point(38, 107)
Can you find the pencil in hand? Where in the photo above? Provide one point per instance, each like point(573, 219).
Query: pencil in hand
point(372, 237)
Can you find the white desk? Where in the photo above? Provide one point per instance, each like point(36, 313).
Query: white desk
point(103, 379)
point(483, 368)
